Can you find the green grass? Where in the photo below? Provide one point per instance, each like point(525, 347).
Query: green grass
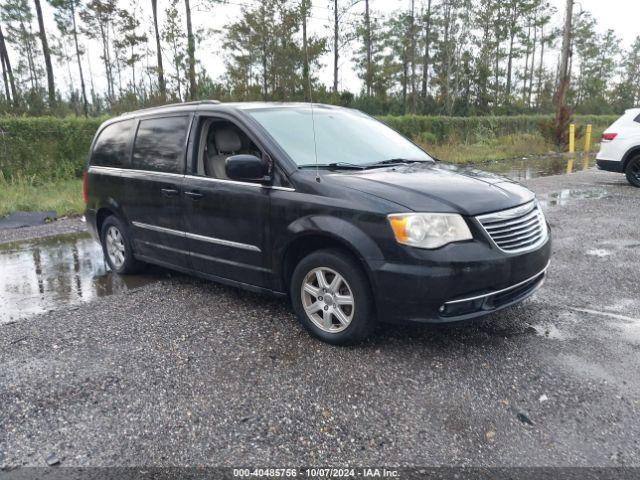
point(28, 194)
point(501, 148)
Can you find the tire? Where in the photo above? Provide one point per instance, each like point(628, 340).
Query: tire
point(633, 171)
point(116, 245)
point(331, 317)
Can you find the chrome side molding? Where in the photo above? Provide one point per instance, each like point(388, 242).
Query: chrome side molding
point(200, 238)
point(200, 255)
point(134, 172)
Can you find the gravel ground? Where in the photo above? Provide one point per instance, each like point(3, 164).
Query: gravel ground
point(59, 227)
point(186, 372)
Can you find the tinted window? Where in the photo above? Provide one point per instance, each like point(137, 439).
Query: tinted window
point(160, 144)
point(638, 119)
point(112, 147)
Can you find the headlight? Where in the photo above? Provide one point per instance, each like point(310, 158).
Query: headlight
point(429, 230)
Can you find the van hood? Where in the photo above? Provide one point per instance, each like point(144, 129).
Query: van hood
point(437, 187)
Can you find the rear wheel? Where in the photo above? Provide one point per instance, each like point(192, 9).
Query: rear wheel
point(331, 297)
point(116, 245)
point(633, 171)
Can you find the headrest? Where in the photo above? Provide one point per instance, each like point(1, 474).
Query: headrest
point(228, 140)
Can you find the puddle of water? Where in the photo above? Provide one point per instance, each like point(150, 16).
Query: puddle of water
point(563, 197)
point(528, 168)
point(549, 331)
point(598, 252)
point(630, 331)
point(38, 276)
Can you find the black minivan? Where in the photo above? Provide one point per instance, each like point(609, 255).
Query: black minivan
point(326, 205)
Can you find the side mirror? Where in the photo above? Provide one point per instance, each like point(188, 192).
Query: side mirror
point(246, 168)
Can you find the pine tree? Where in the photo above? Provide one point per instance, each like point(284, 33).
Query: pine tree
point(65, 17)
point(265, 56)
point(191, 53)
point(161, 83)
point(426, 60)
point(18, 18)
point(51, 86)
point(174, 36)
point(370, 54)
point(128, 44)
point(630, 85)
point(98, 17)
point(7, 72)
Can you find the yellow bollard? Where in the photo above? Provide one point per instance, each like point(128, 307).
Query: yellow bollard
point(572, 139)
point(570, 165)
point(587, 140)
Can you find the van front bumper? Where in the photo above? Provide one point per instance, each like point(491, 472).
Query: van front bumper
point(449, 291)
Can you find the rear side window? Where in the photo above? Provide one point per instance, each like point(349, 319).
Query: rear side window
point(638, 119)
point(160, 144)
point(113, 143)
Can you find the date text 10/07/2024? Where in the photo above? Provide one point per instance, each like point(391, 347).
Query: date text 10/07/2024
point(316, 472)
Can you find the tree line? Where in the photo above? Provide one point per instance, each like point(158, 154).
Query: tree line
point(436, 57)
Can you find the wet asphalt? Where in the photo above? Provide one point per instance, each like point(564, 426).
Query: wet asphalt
point(187, 372)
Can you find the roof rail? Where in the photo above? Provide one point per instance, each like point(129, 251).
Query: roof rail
point(180, 104)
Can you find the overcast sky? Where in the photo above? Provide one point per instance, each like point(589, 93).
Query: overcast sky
point(619, 15)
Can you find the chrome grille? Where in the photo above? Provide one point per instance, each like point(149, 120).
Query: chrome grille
point(517, 229)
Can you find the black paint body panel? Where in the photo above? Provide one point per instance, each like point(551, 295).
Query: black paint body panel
point(240, 233)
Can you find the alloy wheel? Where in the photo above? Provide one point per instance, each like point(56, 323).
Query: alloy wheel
point(327, 299)
point(635, 169)
point(115, 247)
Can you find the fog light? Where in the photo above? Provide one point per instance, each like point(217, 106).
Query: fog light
point(462, 308)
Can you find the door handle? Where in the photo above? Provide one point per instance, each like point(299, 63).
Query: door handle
point(169, 192)
point(194, 195)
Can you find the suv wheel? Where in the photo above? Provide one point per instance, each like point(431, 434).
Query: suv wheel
point(331, 297)
point(633, 171)
point(116, 246)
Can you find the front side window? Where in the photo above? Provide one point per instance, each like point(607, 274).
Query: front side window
point(160, 144)
point(219, 140)
point(112, 146)
point(341, 136)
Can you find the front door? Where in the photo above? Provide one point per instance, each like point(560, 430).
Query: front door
point(153, 199)
point(226, 220)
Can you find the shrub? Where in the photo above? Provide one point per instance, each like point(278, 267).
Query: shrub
point(48, 148)
point(479, 129)
point(426, 138)
point(44, 147)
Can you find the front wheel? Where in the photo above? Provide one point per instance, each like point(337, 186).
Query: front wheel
point(633, 171)
point(116, 246)
point(331, 297)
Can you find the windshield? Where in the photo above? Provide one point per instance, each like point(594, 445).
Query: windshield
point(343, 137)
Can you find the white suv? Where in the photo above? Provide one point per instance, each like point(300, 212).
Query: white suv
point(620, 147)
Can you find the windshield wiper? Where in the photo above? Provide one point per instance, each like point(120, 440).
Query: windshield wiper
point(335, 165)
point(393, 161)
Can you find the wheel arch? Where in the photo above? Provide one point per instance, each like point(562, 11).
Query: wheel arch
point(109, 208)
point(101, 216)
point(632, 153)
point(308, 242)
